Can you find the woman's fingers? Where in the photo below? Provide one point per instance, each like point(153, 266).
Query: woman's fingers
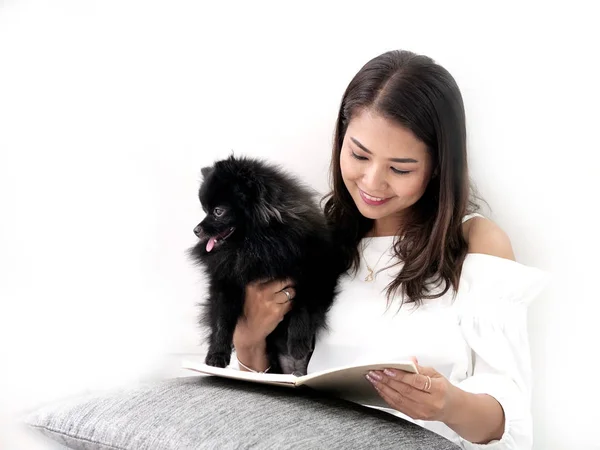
point(271, 296)
point(283, 291)
point(285, 295)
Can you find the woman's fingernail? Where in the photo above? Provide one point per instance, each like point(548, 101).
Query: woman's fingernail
point(375, 375)
point(389, 373)
point(371, 380)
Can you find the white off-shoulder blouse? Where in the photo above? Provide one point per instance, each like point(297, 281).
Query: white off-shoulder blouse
point(478, 339)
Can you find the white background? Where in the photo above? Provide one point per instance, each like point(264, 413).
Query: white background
point(108, 110)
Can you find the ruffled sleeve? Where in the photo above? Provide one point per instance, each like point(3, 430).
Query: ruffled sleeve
point(493, 300)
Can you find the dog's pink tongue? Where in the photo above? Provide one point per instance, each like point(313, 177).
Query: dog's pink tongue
point(210, 244)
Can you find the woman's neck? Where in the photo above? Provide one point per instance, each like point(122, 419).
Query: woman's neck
point(386, 226)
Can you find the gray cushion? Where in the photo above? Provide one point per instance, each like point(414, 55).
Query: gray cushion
point(209, 412)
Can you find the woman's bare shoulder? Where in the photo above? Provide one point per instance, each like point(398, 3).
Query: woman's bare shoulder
point(485, 236)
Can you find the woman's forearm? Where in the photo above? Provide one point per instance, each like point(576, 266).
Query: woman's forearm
point(253, 356)
point(478, 418)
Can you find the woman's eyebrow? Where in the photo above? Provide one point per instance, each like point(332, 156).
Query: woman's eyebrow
point(398, 160)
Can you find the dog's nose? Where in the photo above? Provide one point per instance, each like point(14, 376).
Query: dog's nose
point(197, 230)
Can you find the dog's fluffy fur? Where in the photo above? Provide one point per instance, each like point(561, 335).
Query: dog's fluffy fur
point(263, 224)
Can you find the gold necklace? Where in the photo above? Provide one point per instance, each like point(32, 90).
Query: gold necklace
point(371, 276)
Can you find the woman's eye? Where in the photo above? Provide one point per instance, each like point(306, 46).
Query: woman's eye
point(218, 211)
point(360, 158)
point(400, 172)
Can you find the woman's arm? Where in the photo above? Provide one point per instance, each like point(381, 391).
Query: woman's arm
point(478, 418)
point(265, 305)
point(253, 357)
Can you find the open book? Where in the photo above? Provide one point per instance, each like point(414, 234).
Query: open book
point(346, 382)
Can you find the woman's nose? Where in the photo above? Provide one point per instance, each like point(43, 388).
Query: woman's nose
point(374, 180)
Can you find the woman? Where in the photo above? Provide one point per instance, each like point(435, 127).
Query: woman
point(425, 276)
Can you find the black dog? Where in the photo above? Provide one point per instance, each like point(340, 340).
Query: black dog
point(262, 224)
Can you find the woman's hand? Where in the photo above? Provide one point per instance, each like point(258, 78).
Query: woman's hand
point(427, 395)
point(478, 418)
point(265, 305)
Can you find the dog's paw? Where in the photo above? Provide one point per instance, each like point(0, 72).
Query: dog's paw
point(217, 359)
point(299, 349)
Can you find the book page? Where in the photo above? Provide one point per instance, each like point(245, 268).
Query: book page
point(350, 383)
point(264, 378)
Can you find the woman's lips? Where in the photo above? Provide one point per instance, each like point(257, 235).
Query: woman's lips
point(373, 201)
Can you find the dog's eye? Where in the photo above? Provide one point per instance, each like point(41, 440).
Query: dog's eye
point(218, 212)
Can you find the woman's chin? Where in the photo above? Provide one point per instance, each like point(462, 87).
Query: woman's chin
point(379, 212)
point(372, 212)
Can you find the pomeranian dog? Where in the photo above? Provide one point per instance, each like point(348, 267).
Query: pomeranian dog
point(263, 224)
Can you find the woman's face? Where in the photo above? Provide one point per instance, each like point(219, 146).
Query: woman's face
point(385, 168)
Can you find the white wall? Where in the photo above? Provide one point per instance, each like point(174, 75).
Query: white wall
point(108, 110)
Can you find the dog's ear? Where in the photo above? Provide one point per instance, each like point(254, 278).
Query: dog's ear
point(206, 171)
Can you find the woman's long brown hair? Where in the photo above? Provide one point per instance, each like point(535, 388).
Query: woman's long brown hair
point(419, 94)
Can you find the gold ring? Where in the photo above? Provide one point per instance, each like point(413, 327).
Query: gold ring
point(428, 383)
